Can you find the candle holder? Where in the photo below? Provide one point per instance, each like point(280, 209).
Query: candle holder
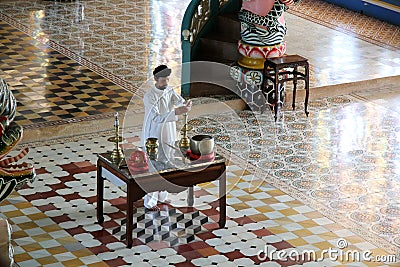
point(184, 142)
point(116, 154)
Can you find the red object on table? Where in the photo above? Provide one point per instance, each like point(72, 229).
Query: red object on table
point(134, 169)
point(138, 162)
point(208, 157)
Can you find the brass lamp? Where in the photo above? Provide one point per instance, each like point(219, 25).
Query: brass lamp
point(184, 142)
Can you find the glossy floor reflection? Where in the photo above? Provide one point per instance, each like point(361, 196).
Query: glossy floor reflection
point(50, 87)
point(129, 38)
point(332, 175)
point(310, 182)
point(345, 156)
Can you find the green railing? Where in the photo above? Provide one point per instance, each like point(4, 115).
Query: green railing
point(199, 18)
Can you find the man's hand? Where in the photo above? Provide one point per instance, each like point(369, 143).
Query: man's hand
point(188, 103)
point(184, 109)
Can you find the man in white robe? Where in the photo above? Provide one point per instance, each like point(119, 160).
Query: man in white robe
point(162, 107)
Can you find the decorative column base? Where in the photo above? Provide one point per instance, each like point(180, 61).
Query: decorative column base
point(248, 74)
point(249, 87)
point(251, 63)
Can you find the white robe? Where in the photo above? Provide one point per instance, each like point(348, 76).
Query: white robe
point(159, 122)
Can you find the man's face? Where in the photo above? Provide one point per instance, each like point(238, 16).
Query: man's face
point(162, 82)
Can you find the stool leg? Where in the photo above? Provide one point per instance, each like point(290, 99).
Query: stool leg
point(263, 85)
point(294, 87)
point(307, 81)
point(276, 93)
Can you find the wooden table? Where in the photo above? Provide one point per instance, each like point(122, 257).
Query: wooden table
point(161, 176)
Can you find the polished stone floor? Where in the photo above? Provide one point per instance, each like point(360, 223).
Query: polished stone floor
point(301, 184)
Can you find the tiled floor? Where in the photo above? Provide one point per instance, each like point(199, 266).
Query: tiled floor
point(123, 46)
point(127, 43)
point(51, 87)
point(302, 184)
point(124, 38)
point(332, 159)
point(54, 219)
point(355, 24)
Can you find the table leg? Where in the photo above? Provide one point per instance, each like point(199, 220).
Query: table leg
point(264, 87)
point(129, 216)
point(191, 196)
point(222, 200)
point(307, 81)
point(100, 193)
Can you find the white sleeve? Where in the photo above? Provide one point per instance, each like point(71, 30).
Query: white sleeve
point(177, 99)
point(151, 104)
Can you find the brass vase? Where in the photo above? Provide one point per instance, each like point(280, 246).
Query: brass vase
point(152, 148)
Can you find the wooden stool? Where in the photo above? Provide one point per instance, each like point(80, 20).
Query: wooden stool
point(275, 71)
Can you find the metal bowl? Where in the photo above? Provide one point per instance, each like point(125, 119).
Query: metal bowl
point(202, 144)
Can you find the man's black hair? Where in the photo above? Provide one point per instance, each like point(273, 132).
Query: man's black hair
point(161, 71)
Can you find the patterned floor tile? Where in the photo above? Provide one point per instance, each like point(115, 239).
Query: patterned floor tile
point(38, 240)
point(69, 234)
point(322, 184)
point(313, 173)
point(349, 22)
point(87, 32)
point(49, 86)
